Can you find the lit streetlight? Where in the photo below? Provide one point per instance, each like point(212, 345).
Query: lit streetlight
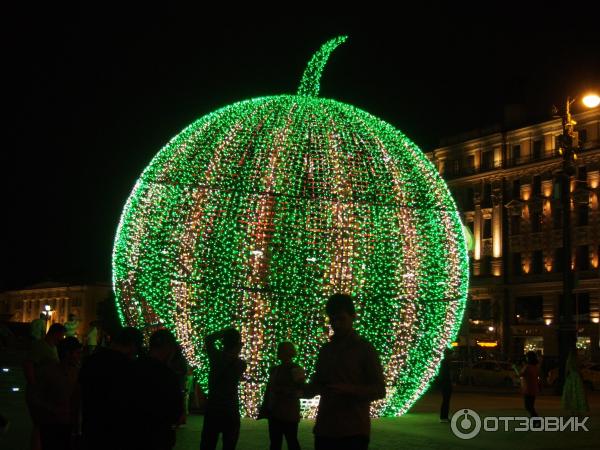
point(591, 100)
point(569, 145)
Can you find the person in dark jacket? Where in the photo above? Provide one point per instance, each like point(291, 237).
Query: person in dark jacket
point(348, 376)
point(157, 397)
point(106, 385)
point(222, 414)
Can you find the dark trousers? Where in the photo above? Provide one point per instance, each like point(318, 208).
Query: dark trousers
point(278, 429)
point(445, 408)
point(530, 405)
point(55, 436)
point(343, 443)
point(215, 424)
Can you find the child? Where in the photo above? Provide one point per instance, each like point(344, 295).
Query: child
point(282, 399)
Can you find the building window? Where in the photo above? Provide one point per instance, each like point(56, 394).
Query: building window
point(537, 185)
point(538, 262)
point(516, 189)
point(515, 224)
point(471, 227)
point(581, 307)
point(559, 261)
point(516, 262)
point(582, 136)
point(582, 258)
point(582, 174)
point(486, 265)
point(582, 215)
point(481, 309)
point(556, 217)
point(469, 200)
point(516, 154)
point(487, 228)
point(471, 163)
point(486, 201)
point(536, 221)
point(529, 309)
point(537, 148)
point(487, 160)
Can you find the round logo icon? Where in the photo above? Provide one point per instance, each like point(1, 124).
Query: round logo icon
point(466, 424)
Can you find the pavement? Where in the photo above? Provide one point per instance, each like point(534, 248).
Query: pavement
point(419, 429)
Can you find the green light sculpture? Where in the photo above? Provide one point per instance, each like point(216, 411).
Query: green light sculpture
point(254, 214)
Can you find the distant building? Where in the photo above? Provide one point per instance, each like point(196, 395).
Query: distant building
point(504, 184)
point(58, 300)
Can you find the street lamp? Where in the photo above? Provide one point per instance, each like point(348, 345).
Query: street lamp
point(569, 144)
point(591, 100)
point(48, 313)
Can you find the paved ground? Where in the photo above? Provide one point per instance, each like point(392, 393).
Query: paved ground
point(419, 429)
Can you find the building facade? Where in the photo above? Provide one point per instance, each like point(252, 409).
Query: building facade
point(505, 185)
point(56, 301)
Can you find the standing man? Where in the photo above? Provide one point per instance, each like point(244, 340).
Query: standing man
point(348, 376)
point(106, 380)
point(223, 405)
point(157, 403)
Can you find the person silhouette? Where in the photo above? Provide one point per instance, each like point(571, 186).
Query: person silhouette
point(106, 380)
point(530, 386)
point(445, 385)
point(348, 376)
point(281, 405)
point(157, 400)
point(222, 414)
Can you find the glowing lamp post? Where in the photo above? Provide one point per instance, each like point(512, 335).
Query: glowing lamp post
point(569, 145)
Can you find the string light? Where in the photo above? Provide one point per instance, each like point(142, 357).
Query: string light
point(254, 214)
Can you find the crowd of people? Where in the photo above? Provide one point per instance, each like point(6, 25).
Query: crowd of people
point(120, 397)
point(117, 397)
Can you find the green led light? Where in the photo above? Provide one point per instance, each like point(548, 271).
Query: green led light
point(254, 214)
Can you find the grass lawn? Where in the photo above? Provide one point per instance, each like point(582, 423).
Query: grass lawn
point(420, 429)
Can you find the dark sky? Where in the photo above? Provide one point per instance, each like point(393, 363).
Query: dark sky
point(94, 94)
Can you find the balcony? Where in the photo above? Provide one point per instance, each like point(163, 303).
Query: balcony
point(522, 160)
point(451, 173)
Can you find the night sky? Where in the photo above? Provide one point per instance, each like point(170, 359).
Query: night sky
point(94, 94)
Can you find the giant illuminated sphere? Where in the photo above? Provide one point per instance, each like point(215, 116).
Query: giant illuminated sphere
point(254, 214)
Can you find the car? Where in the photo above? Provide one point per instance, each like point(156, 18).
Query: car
point(591, 376)
point(491, 373)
